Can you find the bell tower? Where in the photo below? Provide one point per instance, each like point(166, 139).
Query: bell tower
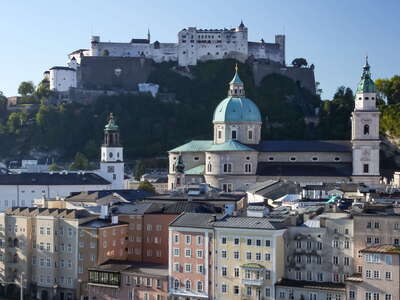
point(365, 131)
point(112, 162)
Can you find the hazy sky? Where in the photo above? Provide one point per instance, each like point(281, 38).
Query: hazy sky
point(335, 35)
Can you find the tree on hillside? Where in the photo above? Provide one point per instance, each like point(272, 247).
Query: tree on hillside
point(54, 167)
point(26, 88)
point(389, 88)
point(80, 162)
point(146, 186)
point(16, 121)
point(43, 89)
point(140, 169)
point(299, 62)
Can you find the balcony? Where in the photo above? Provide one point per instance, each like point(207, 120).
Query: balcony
point(254, 282)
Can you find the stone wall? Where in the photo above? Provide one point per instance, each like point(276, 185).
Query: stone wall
point(113, 73)
point(305, 76)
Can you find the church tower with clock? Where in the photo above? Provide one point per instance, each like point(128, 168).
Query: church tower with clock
point(112, 162)
point(365, 131)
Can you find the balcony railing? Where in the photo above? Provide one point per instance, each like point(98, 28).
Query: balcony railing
point(256, 282)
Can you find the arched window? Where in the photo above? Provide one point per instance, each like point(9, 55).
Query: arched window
point(176, 284)
point(209, 167)
point(199, 286)
point(106, 52)
point(234, 134)
point(16, 243)
point(188, 285)
point(250, 134)
point(219, 134)
point(366, 129)
point(247, 168)
point(173, 167)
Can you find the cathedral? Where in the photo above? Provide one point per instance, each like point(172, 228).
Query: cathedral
point(237, 157)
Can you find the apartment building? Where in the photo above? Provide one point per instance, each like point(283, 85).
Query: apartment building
point(42, 245)
point(100, 240)
point(319, 257)
point(249, 257)
point(191, 268)
point(377, 224)
point(380, 277)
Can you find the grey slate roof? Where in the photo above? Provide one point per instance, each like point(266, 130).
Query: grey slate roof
point(94, 196)
point(55, 212)
point(62, 68)
point(101, 223)
point(245, 222)
point(303, 169)
point(52, 179)
point(304, 146)
point(274, 189)
point(195, 220)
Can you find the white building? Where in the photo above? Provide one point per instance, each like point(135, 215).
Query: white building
point(62, 79)
point(237, 157)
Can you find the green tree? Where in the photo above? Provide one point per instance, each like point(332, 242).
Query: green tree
point(146, 186)
point(16, 121)
point(389, 88)
point(140, 169)
point(26, 88)
point(80, 162)
point(54, 167)
point(43, 89)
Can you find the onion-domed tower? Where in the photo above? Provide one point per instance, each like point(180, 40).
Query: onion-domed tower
point(112, 162)
point(237, 117)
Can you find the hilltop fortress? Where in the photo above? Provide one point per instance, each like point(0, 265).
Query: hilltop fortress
point(109, 66)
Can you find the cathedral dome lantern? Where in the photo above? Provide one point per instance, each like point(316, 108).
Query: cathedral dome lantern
point(111, 133)
point(366, 84)
point(237, 117)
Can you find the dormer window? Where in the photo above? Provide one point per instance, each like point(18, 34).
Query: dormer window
point(250, 134)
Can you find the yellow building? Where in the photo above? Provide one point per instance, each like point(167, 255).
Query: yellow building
point(250, 258)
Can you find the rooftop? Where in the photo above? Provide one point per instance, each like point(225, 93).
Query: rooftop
point(246, 222)
point(196, 220)
point(102, 223)
point(59, 178)
point(209, 146)
point(304, 169)
point(388, 249)
point(98, 196)
point(55, 212)
point(312, 285)
point(305, 146)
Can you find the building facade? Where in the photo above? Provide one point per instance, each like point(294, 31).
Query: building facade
point(237, 157)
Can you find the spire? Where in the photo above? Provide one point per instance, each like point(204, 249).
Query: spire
point(111, 126)
point(148, 34)
point(241, 26)
point(366, 84)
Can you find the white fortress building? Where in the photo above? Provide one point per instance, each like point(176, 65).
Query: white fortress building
point(237, 157)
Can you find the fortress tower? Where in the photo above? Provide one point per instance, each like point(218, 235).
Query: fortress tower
point(365, 131)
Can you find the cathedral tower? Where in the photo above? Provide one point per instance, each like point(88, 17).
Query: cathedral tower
point(112, 162)
point(365, 131)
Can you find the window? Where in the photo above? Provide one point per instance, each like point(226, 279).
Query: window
point(188, 239)
point(176, 267)
point(368, 274)
point(346, 244)
point(335, 260)
point(219, 134)
point(188, 285)
point(176, 239)
point(188, 252)
point(223, 240)
point(223, 254)
point(248, 255)
point(377, 225)
point(352, 294)
point(388, 259)
point(199, 240)
point(236, 290)
point(199, 286)
point(388, 275)
point(366, 129)
point(293, 158)
point(48, 231)
point(236, 241)
point(347, 261)
point(267, 243)
point(376, 274)
point(247, 168)
point(236, 272)
point(267, 274)
point(249, 242)
point(188, 268)
point(199, 253)
point(227, 187)
point(176, 251)
point(227, 168)
point(388, 297)
point(200, 269)
point(250, 134)
point(366, 168)
point(234, 134)
point(248, 291)
point(320, 276)
point(176, 284)
point(223, 288)
point(314, 158)
point(267, 292)
point(223, 271)
point(209, 167)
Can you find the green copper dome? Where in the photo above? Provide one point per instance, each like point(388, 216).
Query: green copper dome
point(235, 109)
point(366, 84)
point(111, 126)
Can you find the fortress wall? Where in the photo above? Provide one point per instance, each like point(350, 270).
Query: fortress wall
point(305, 76)
point(110, 73)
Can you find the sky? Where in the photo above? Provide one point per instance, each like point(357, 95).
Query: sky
point(334, 35)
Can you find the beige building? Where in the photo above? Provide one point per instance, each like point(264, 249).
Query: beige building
point(249, 260)
point(42, 244)
point(380, 276)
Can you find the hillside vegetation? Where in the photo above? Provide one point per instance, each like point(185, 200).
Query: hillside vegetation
point(150, 127)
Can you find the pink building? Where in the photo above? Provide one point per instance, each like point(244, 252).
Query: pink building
point(190, 256)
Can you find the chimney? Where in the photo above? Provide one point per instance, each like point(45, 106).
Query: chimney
point(104, 212)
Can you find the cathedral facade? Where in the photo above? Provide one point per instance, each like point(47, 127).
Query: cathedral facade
point(237, 157)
